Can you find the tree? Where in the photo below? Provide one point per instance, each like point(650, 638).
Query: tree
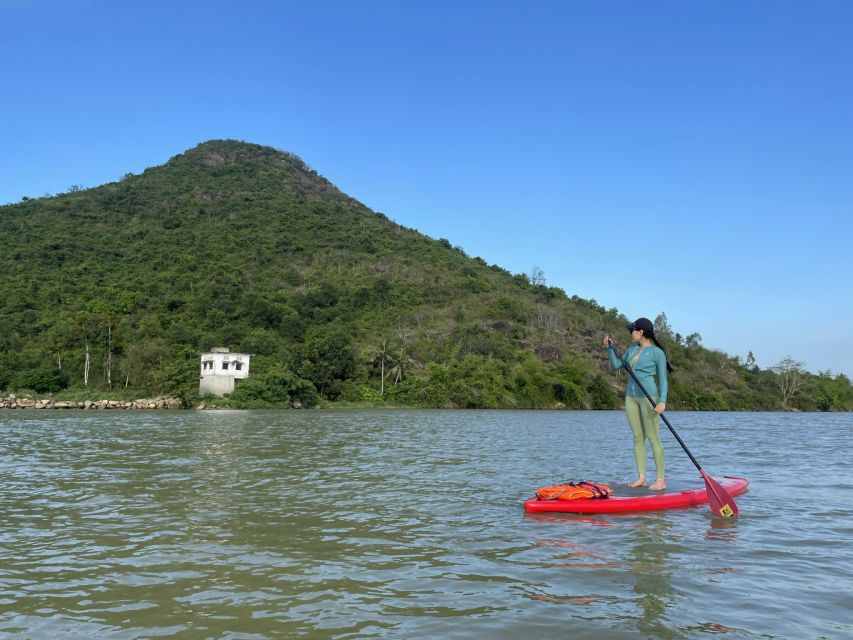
point(106, 313)
point(831, 393)
point(693, 340)
point(750, 361)
point(276, 386)
point(537, 276)
point(58, 336)
point(179, 374)
point(790, 378)
point(86, 327)
point(662, 327)
point(381, 356)
point(43, 380)
point(327, 359)
point(145, 362)
point(399, 364)
point(547, 318)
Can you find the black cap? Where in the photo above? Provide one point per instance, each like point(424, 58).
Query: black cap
point(642, 323)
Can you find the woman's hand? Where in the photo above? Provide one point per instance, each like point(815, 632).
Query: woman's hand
point(660, 407)
point(608, 340)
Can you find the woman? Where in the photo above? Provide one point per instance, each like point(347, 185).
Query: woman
point(647, 359)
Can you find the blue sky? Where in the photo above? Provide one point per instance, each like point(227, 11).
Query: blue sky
point(693, 158)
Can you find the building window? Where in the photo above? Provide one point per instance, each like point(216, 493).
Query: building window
point(225, 366)
point(238, 366)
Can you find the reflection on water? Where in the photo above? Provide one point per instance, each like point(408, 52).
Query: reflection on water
point(651, 544)
point(405, 525)
point(642, 558)
point(722, 529)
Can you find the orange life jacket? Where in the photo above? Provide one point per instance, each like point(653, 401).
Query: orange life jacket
point(574, 491)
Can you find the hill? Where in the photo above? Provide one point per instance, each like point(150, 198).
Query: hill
point(235, 244)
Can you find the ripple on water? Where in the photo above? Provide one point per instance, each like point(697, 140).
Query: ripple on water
point(409, 524)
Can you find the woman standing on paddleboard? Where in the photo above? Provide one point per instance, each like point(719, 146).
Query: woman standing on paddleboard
point(648, 360)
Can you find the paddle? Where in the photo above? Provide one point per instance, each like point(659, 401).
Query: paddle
point(721, 502)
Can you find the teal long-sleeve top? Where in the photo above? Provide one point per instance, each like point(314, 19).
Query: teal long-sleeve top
point(651, 362)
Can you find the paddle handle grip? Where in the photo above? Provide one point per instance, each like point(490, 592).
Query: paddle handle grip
point(652, 400)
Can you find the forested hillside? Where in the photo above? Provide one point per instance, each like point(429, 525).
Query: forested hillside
point(118, 288)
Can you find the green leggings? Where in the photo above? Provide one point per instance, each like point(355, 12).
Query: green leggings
point(645, 423)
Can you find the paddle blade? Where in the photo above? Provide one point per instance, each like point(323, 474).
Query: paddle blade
point(722, 504)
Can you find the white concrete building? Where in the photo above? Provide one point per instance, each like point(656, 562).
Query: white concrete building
point(219, 369)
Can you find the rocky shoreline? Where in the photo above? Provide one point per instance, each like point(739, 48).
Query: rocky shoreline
point(160, 402)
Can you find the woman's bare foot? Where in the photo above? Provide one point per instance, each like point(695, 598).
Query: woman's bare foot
point(659, 485)
point(639, 482)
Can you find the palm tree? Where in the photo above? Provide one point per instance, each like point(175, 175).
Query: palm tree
point(400, 362)
point(381, 356)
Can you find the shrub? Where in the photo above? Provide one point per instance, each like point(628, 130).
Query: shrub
point(278, 387)
point(43, 380)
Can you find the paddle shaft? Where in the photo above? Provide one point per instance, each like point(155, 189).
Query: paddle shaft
point(665, 421)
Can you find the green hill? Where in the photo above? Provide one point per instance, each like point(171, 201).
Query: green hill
point(239, 245)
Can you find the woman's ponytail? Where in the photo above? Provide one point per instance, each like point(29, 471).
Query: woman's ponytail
point(657, 344)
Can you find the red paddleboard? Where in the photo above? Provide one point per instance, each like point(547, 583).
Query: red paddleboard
point(647, 502)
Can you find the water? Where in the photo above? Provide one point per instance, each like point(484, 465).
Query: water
point(408, 524)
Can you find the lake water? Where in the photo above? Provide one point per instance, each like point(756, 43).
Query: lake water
point(409, 524)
